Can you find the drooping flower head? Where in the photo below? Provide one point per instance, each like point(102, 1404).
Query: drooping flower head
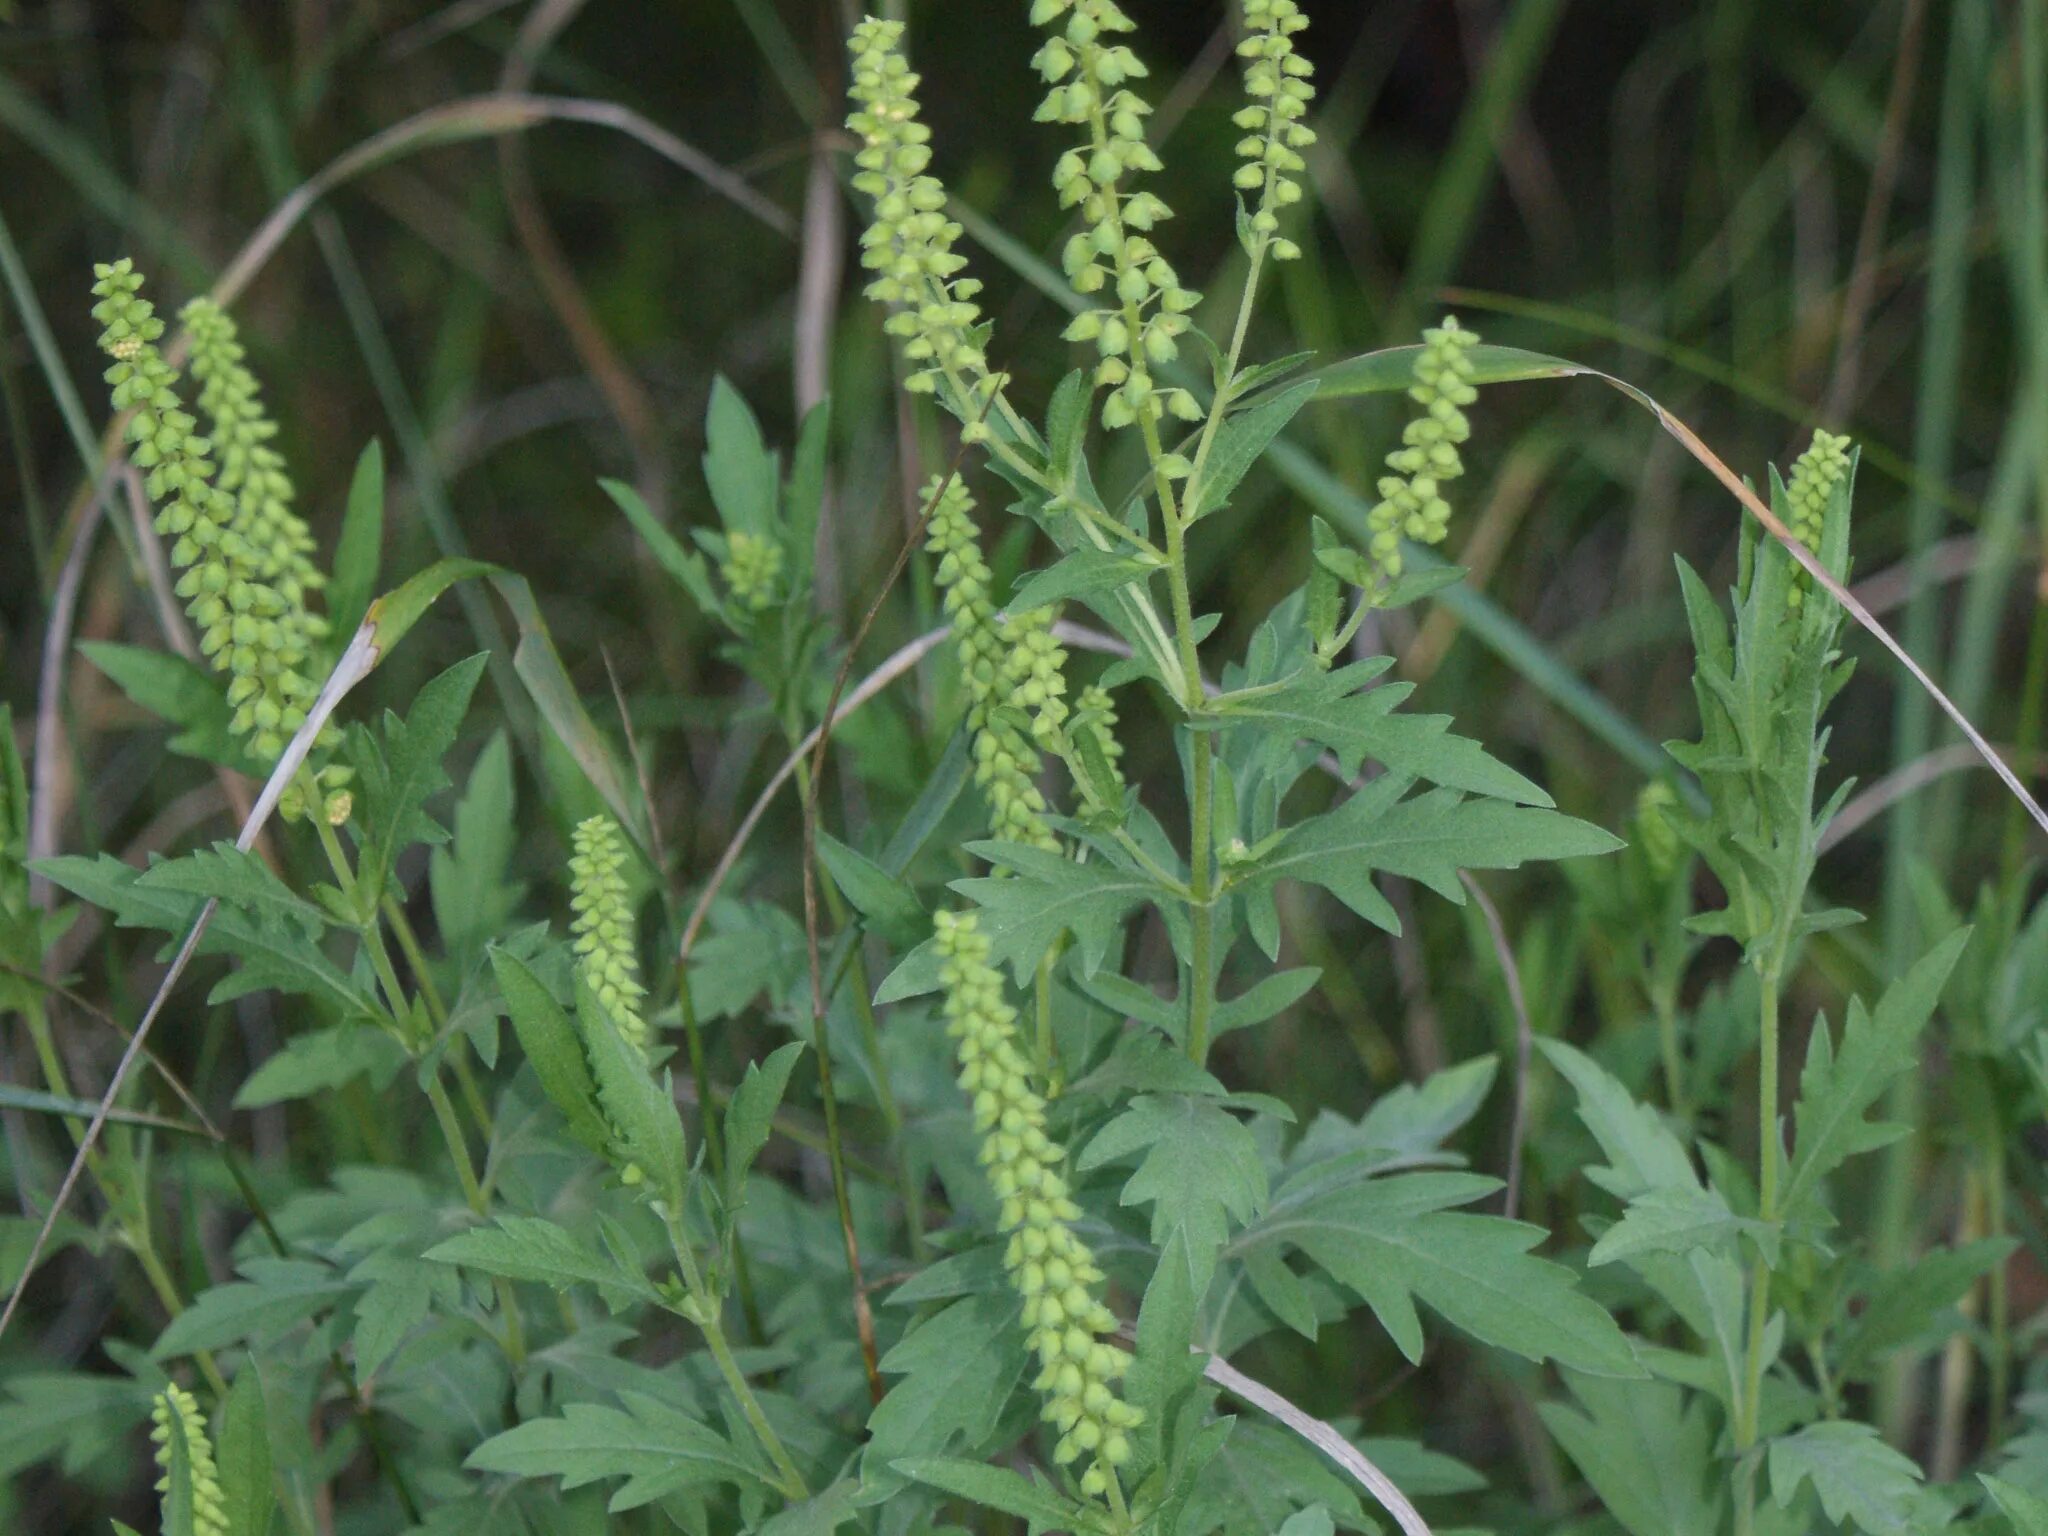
point(909, 243)
point(1088, 75)
point(603, 926)
point(1276, 79)
point(1412, 504)
point(247, 627)
point(1003, 661)
point(1051, 1267)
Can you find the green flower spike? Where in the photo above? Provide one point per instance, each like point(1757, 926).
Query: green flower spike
point(245, 624)
point(252, 471)
point(1815, 475)
point(1087, 76)
point(1050, 1265)
point(1276, 79)
point(1001, 660)
point(1411, 498)
point(909, 244)
point(604, 926)
point(190, 1452)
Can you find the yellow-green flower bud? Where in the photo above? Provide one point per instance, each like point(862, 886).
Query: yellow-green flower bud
point(753, 566)
point(185, 1455)
point(1052, 1269)
point(1816, 474)
point(1655, 835)
point(603, 926)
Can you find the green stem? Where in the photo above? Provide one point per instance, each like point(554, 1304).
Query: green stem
point(1750, 1415)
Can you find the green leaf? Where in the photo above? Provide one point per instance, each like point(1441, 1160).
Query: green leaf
point(1835, 1093)
point(686, 566)
point(1260, 1478)
point(178, 692)
point(1642, 1153)
point(1429, 839)
point(819, 1515)
point(803, 499)
point(1677, 1220)
point(1047, 895)
point(1241, 440)
point(238, 878)
point(1086, 572)
point(1860, 1480)
point(1910, 1303)
point(470, 878)
point(397, 783)
point(551, 1043)
point(750, 1116)
point(1648, 1453)
point(323, 1060)
point(1201, 1168)
point(1334, 709)
point(996, 1488)
point(2028, 1512)
point(740, 471)
point(392, 616)
point(247, 1496)
point(275, 952)
point(658, 1450)
point(276, 1295)
point(1393, 368)
point(360, 549)
point(1264, 999)
point(1395, 1240)
point(887, 903)
point(641, 1110)
point(530, 1248)
point(69, 1418)
point(959, 1367)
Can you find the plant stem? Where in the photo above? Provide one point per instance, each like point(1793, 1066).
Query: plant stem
point(1750, 1410)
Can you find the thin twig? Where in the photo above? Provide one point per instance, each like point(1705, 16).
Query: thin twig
point(42, 816)
point(1908, 778)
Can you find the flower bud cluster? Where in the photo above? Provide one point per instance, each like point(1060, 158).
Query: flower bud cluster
point(1051, 1267)
point(1095, 713)
point(209, 1506)
point(1087, 75)
point(753, 566)
point(1002, 662)
point(1411, 498)
point(1815, 475)
point(1656, 835)
point(1276, 79)
point(251, 470)
point(909, 244)
point(246, 627)
point(604, 926)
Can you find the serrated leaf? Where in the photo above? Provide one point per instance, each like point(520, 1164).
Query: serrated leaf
point(321, 1061)
point(1835, 1093)
point(1243, 437)
point(1264, 999)
point(2028, 1512)
point(1646, 1451)
point(995, 1488)
point(178, 692)
point(1336, 710)
point(274, 952)
point(1911, 1303)
point(397, 783)
point(530, 1248)
point(1260, 1478)
point(470, 878)
point(1859, 1479)
point(1085, 572)
point(1677, 1219)
point(750, 1116)
point(1397, 1240)
point(276, 1294)
point(886, 902)
point(1642, 1153)
point(654, 1446)
point(1200, 1170)
point(819, 1515)
point(1429, 839)
point(742, 474)
point(959, 1367)
point(1047, 895)
point(554, 1047)
point(236, 877)
point(385, 1313)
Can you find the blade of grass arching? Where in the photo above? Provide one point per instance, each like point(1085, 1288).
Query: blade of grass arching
point(1462, 180)
point(1887, 461)
point(48, 357)
point(785, 60)
point(89, 176)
